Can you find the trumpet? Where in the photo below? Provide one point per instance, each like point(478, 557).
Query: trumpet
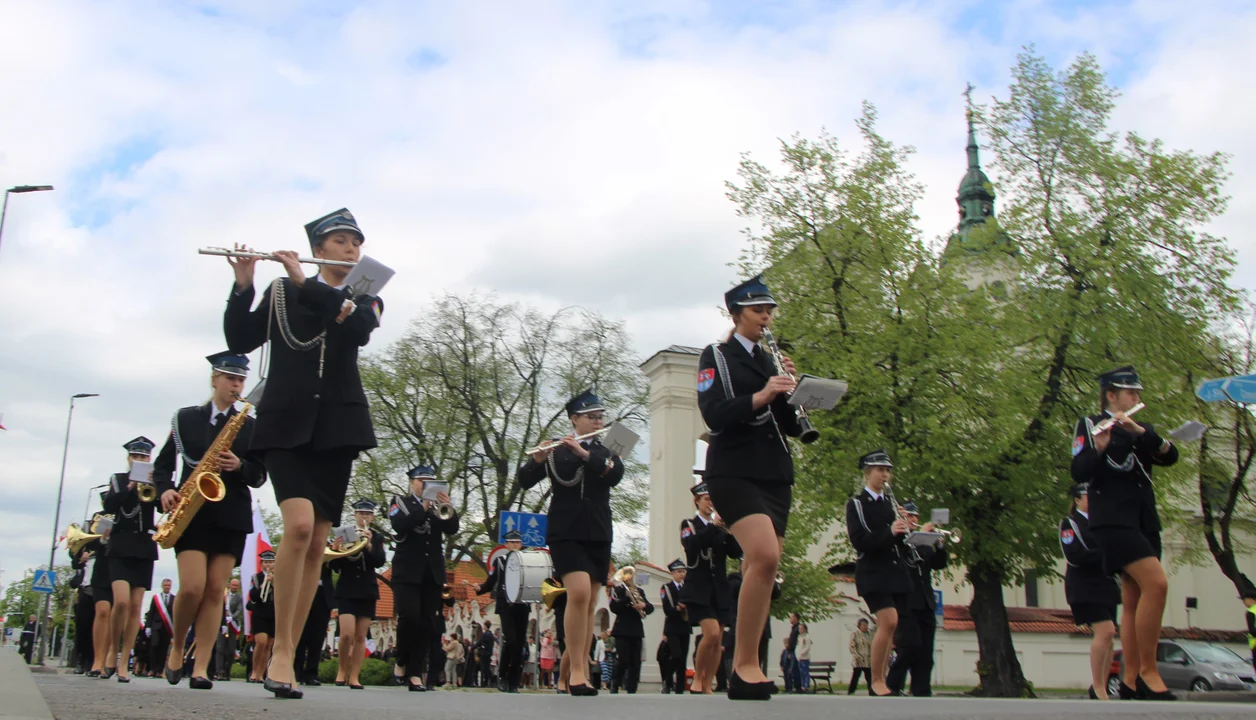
point(550, 592)
point(147, 492)
point(626, 576)
point(952, 536)
point(1107, 424)
point(809, 433)
point(226, 252)
point(556, 443)
point(76, 539)
point(444, 511)
point(266, 586)
point(354, 550)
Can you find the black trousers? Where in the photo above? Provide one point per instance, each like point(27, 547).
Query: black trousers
point(417, 606)
point(158, 647)
point(678, 661)
point(915, 657)
point(313, 637)
point(854, 679)
point(84, 621)
point(514, 622)
point(627, 664)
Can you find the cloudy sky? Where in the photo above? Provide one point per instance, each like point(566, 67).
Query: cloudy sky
point(553, 153)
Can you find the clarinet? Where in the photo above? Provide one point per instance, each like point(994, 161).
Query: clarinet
point(913, 555)
point(809, 433)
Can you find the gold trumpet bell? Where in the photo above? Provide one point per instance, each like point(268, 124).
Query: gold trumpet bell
point(76, 539)
point(146, 492)
point(550, 592)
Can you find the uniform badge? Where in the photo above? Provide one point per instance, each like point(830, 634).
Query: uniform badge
point(685, 533)
point(1079, 443)
point(706, 378)
point(394, 510)
point(1067, 536)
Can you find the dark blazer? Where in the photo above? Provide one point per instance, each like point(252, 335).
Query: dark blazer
point(745, 443)
point(325, 593)
point(1085, 582)
point(1121, 493)
point(299, 406)
point(153, 620)
point(675, 621)
point(420, 549)
point(259, 607)
point(921, 574)
point(235, 511)
point(495, 583)
point(357, 575)
point(628, 622)
point(582, 511)
point(879, 567)
point(707, 549)
point(133, 520)
point(100, 567)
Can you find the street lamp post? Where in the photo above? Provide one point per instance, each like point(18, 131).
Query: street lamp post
point(45, 618)
point(17, 189)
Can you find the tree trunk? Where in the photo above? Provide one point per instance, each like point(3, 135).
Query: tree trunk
point(998, 668)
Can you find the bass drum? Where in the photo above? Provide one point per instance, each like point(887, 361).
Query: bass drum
point(525, 571)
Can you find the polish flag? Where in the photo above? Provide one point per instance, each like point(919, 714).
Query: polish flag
point(2, 427)
point(255, 544)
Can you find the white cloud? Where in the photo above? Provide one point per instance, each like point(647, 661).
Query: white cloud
point(555, 153)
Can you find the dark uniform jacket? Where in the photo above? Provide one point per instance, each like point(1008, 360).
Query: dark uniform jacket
point(420, 552)
point(152, 619)
point(921, 597)
point(133, 525)
point(745, 443)
point(628, 622)
point(299, 406)
point(495, 583)
point(580, 511)
point(100, 566)
point(79, 578)
point(707, 548)
point(879, 567)
point(1121, 493)
point(357, 575)
point(196, 433)
point(1085, 582)
point(261, 608)
point(676, 621)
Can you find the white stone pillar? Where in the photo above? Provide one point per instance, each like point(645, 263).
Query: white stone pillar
point(675, 425)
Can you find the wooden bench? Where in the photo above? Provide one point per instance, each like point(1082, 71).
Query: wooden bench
point(822, 670)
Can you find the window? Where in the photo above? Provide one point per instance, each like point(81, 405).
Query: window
point(1031, 588)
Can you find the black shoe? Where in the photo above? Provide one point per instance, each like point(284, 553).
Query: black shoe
point(1125, 692)
point(79, 670)
point(416, 688)
point(1093, 695)
point(397, 680)
point(200, 683)
point(356, 687)
point(1146, 693)
point(124, 679)
point(739, 689)
point(173, 676)
point(282, 689)
point(93, 673)
point(312, 681)
point(108, 673)
point(582, 690)
point(340, 683)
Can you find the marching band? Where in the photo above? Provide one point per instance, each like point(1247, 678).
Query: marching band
point(313, 421)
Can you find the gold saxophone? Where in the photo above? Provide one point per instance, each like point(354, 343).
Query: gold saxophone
point(204, 485)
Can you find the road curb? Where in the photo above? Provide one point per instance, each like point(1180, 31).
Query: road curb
point(22, 700)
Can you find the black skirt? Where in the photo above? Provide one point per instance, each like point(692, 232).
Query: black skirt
point(264, 625)
point(1121, 546)
point(320, 476)
point(357, 607)
point(135, 572)
point(737, 498)
point(586, 556)
point(212, 541)
point(1091, 613)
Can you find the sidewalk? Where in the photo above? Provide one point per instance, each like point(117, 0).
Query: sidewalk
point(22, 700)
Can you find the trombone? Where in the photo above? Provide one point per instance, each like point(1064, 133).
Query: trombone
point(553, 444)
point(226, 252)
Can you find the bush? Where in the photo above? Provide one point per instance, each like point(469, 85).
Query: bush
point(374, 672)
point(237, 671)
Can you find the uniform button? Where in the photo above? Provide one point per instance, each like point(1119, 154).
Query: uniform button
point(316, 396)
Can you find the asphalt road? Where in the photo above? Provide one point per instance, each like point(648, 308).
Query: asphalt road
point(73, 697)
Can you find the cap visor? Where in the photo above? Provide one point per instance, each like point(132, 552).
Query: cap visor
point(599, 408)
point(1127, 386)
point(232, 371)
point(760, 300)
point(341, 228)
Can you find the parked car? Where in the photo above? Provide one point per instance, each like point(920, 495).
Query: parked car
point(1194, 665)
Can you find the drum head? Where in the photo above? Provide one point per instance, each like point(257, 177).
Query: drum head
point(514, 576)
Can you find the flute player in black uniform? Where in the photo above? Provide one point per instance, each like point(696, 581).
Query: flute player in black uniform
point(708, 545)
point(881, 579)
point(1117, 462)
point(581, 475)
point(313, 419)
point(1092, 593)
point(213, 543)
point(749, 466)
point(132, 552)
point(357, 592)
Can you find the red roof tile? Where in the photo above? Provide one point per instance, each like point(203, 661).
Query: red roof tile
point(1052, 620)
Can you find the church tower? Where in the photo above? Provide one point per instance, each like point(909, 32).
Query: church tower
point(978, 231)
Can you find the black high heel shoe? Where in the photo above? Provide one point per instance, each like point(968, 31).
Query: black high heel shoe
point(739, 689)
point(173, 676)
point(1146, 693)
point(108, 673)
point(200, 683)
point(280, 689)
point(1125, 692)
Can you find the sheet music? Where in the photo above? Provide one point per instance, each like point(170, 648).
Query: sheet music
point(140, 472)
point(369, 276)
point(816, 393)
point(432, 488)
point(1191, 431)
point(620, 440)
point(940, 516)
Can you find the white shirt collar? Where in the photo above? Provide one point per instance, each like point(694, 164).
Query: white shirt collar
point(704, 520)
point(214, 411)
point(1084, 514)
point(873, 493)
point(338, 287)
point(745, 342)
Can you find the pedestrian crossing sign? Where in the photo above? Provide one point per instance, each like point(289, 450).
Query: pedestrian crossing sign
point(45, 581)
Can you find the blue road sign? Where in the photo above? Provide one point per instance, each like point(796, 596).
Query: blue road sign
point(530, 525)
point(937, 598)
point(45, 581)
point(1241, 388)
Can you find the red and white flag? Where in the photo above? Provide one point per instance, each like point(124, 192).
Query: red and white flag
point(165, 615)
point(255, 544)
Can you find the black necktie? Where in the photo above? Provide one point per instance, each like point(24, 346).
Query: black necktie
point(218, 419)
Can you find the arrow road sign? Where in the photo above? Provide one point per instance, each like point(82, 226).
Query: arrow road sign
point(531, 526)
point(45, 581)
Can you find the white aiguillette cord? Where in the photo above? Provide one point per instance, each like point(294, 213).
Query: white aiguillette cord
point(279, 311)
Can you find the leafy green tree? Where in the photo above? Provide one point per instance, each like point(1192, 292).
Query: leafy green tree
point(472, 384)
